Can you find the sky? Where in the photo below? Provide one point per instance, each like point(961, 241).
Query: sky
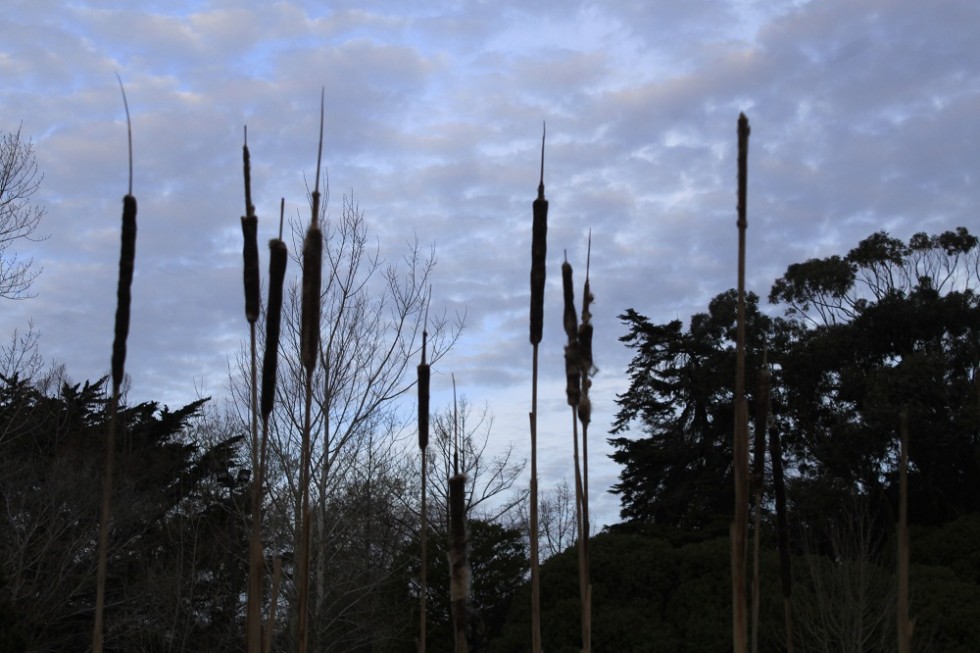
point(865, 116)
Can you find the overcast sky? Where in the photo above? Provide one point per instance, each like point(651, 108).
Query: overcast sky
point(865, 115)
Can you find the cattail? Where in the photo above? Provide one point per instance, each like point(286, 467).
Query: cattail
point(539, 251)
point(573, 358)
point(278, 257)
point(250, 250)
point(423, 372)
point(740, 446)
point(127, 258)
point(570, 320)
point(310, 325)
point(459, 567)
point(123, 293)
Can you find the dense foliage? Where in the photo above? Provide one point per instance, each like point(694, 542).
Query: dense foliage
point(176, 537)
point(891, 326)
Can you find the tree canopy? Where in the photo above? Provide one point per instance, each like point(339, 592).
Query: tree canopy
point(890, 326)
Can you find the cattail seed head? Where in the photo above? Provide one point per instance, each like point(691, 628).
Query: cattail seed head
point(539, 252)
point(423, 371)
point(127, 258)
point(573, 373)
point(570, 319)
point(250, 253)
point(459, 566)
point(310, 321)
point(278, 257)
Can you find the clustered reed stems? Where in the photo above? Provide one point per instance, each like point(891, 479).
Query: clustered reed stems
point(309, 350)
point(585, 331)
point(127, 259)
point(539, 251)
point(573, 394)
point(459, 568)
point(758, 480)
point(782, 533)
point(278, 257)
point(904, 624)
point(423, 428)
point(250, 256)
point(741, 460)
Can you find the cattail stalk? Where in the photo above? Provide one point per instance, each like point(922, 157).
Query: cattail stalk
point(585, 331)
point(782, 532)
point(573, 394)
point(270, 627)
point(127, 259)
point(904, 624)
point(250, 255)
point(758, 479)
point(459, 567)
point(423, 428)
point(740, 448)
point(309, 350)
point(539, 251)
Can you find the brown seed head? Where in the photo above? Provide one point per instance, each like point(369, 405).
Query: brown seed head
point(310, 320)
point(127, 258)
point(278, 256)
point(250, 254)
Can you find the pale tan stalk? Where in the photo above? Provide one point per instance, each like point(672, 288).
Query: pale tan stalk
point(904, 624)
point(270, 627)
point(741, 461)
point(758, 479)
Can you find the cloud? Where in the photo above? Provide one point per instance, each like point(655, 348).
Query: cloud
point(861, 113)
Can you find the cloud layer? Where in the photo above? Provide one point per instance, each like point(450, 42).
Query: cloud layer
point(864, 117)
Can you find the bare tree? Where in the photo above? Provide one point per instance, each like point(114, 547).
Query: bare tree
point(489, 478)
point(19, 216)
point(846, 601)
point(372, 316)
point(557, 519)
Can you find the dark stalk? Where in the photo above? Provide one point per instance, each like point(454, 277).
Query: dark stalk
point(309, 349)
point(741, 461)
point(539, 250)
point(127, 259)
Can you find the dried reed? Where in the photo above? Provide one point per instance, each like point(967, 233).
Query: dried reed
point(782, 532)
point(423, 428)
point(585, 332)
point(127, 259)
point(741, 460)
point(904, 624)
point(573, 394)
point(250, 256)
point(539, 251)
point(309, 350)
point(757, 481)
point(459, 567)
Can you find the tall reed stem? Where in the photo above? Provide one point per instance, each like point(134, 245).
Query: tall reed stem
point(127, 259)
point(250, 255)
point(904, 624)
point(740, 448)
point(539, 249)
point(573, 394)
point(309, 350)
point(423, 432)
